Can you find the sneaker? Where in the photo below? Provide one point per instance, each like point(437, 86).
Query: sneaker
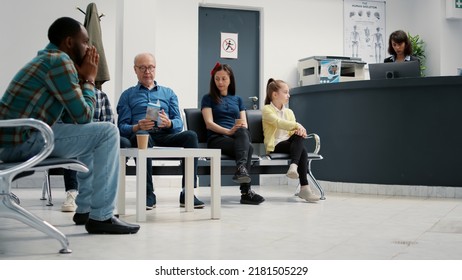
point(150, 207)
point(307, 194)
point(197, 203)
point(251, 198)
point(292, 172)
point(69, 204)
point(151, 202)
point(241, 175)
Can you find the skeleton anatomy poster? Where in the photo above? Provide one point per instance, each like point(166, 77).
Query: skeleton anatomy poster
point(364, 30)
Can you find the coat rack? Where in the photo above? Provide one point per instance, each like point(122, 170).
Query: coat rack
point(83, 12)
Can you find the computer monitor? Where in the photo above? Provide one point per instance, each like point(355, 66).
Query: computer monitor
point(393, 70)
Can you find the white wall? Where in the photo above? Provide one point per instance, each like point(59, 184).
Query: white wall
point(442, 37)
point(451, 46)
point(24, 27)
point(291, 30)
point(283, 29)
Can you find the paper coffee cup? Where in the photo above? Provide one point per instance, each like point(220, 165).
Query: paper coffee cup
point(239, 121)
point(142, 140)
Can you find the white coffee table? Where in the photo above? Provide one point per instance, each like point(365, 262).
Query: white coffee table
point(166, 152)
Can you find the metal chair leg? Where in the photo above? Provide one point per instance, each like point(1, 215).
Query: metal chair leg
point(315, 182)
point(46, 189)
point(9, 209)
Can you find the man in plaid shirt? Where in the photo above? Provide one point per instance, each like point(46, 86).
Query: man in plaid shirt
point(59, 84)
point(103, 110)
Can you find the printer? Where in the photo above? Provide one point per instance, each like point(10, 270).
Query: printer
point(310, 72)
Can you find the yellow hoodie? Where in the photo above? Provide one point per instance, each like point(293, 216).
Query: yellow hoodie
point(272, 122)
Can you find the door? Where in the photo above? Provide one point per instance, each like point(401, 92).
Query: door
point(246, 68)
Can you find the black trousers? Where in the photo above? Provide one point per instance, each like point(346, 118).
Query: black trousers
point(298, 155)
point(237, 146)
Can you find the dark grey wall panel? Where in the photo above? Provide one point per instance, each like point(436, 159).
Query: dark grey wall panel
point(246, 23)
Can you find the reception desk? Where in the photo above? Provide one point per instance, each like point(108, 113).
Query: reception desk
point(402, 131)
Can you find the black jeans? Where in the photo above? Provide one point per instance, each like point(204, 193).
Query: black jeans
point(70, 180)
point(185, 139)
point(298, 155)
point(237, 146)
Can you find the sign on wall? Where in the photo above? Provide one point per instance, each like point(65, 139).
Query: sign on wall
point(364, 30)
point(330, 71)
point(454, 9)
point(228, 45)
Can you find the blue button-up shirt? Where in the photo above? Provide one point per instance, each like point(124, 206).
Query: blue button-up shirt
point(133, 103)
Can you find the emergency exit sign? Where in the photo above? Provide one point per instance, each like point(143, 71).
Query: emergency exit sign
point(454, 9)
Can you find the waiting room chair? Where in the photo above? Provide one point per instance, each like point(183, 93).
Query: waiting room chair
point(9, 208)
point(195, 121)
point(255, 124)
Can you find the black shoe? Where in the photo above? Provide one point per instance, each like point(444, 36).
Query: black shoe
point(251, 198)
point(197, 203)
point(80, 218)
point(241, 175)
point(111, 226)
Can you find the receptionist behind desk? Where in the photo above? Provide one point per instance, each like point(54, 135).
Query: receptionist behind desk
point(400, 48)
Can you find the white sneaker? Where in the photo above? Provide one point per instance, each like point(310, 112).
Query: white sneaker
point(306, 194)
point(292, 172)
point(69, 204)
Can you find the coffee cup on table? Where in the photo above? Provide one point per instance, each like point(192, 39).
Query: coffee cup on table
point(142, 140)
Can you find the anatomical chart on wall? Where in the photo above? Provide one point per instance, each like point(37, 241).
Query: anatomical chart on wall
point(364, 30)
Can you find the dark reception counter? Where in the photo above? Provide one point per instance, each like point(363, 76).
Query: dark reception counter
point(399, 131)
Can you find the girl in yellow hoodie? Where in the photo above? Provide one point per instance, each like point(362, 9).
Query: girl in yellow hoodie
point(283, 134)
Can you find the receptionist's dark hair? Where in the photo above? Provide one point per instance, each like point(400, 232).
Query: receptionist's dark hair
point(399, 37)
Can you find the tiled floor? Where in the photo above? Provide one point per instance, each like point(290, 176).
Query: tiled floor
point(343, 227)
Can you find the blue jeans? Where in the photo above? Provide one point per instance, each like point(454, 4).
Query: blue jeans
point(70, 176)
point(97, 146)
